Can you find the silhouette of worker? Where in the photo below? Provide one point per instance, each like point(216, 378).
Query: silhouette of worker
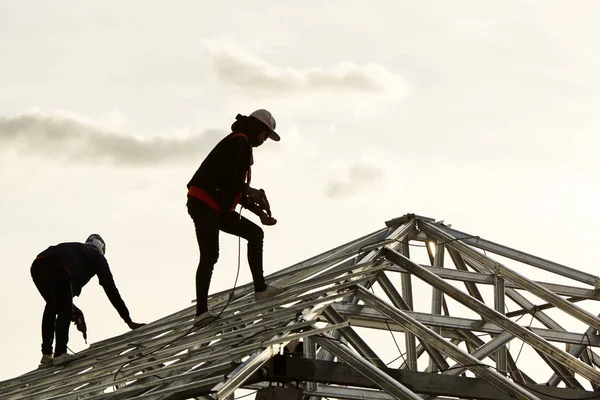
point(59, 273)
point(221, 183)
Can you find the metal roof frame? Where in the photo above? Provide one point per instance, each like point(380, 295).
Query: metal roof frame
point(332, 301)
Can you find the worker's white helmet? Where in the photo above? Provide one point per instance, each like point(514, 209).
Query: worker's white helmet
point(96, 240)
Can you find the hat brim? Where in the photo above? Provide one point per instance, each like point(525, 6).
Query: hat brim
point(274, 136)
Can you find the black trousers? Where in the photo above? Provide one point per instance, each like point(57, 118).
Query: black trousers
point(208, 222)
point(54, 284)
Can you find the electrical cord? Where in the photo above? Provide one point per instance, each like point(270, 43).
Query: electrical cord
point(397, 346)
point(523, 343)
point(534, 310)
point(192, 329)
point(588, 349)
point(499, 371)
point(393, 337)
point(482, 365)
point(196, 324)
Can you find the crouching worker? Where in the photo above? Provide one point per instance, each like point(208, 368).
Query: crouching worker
point(221, 182)
point(59, 273)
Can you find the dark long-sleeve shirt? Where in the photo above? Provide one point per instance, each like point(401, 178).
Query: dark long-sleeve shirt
point(83, 262)
point(225, 173)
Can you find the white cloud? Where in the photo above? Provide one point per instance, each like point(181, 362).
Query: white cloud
point(67, 137)
point(250, 72)
point(114, 120)
point(356, 178)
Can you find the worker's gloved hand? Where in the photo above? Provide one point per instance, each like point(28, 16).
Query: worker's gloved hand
point(264, 203)
point(253, 194)
point(81, 326)
point(267, 219)
point(134, 325)
point(76, 313)
point(259, 197)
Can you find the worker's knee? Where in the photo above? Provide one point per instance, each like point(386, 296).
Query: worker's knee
point(64, 308)
point(209, 256)
point(256, 234)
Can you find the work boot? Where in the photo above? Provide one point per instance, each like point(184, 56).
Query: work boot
point(66, 358)
point(269, 292)
point(204, 319)
point(46, 361)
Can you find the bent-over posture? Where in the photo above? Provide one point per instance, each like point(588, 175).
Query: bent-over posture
point(59, 273)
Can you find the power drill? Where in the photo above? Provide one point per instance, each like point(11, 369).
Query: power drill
point(264, 203)
point(79, 320)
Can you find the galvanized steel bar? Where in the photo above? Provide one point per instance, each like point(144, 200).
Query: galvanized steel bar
point(241, 373)
point(576, 352)
point(353, 338)
point(309, 351)
point(382, 380)
point(519, 279)
point(485, 350)
point(446, 347)
point(436, 299)
point(368, 317)
point(482, 276)
point(406, 283)
point(338, 392)
point(521, 256)
point(492, 315)
point(499, 305)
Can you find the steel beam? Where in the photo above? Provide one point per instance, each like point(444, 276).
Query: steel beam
point(538, 290)
point(377, 376)
point(521, 256)
point(448, 348)
point(482, 276)
point(406, 284)
point(437, 297)
point(575, 351)
point(523, 333)
point(368, 317)
point(499, 305)
point(484, 351)
point(353, 338)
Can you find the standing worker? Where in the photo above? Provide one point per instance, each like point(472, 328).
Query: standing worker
point(218, 186)
point(59, 273)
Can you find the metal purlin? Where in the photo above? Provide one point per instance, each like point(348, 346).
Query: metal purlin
point(327, 298)
point(480, 261)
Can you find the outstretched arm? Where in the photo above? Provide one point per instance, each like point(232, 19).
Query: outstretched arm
point(115, 298)
point(108, 284)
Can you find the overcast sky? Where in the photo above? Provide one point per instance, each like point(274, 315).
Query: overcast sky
point(482, 114)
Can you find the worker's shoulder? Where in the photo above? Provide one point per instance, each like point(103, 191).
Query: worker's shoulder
point(84, 250)
point(64, 247)
point(72, 244)
point(93, 253)
point(235, 139)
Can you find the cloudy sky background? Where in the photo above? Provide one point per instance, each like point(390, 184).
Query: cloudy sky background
point(482, 114)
